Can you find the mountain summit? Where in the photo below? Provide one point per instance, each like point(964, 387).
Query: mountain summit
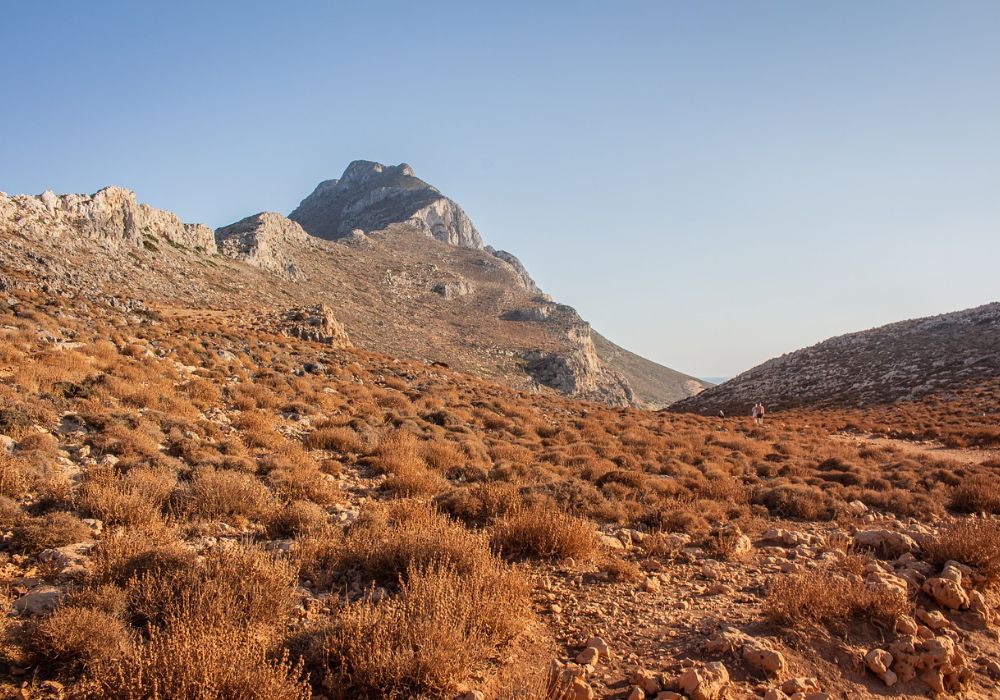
point(369, 196)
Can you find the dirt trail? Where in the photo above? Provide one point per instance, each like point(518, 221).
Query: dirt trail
point(926, 447)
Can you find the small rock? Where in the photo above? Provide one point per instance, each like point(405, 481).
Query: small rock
point(763, 659)
point(43, 599)
point(590, 655)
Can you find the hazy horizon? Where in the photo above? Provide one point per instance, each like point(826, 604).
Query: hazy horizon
point(709, 185)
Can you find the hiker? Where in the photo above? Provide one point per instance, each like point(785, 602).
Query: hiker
point(756, 412)
point(760, 413)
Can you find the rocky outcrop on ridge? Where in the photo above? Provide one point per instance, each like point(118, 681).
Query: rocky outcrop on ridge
point(519, 269)
point(369, 196)
point(579, 371)
point(111, 215)
point(317, 324)
point(262, 240)
point(897, 362)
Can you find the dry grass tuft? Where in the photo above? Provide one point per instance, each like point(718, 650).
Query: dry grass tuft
point(830, 597)
point(545, 532)
point(974, 542)
point(73, 637)
point(427, 638)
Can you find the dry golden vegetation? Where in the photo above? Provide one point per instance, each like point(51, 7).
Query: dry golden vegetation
point(217, 522)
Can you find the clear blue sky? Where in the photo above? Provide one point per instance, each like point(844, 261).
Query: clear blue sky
point(709, 183)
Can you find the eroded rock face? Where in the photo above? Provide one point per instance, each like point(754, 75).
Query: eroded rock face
point(317, 324)
point(369, 196)
point(111, 215)
point(519, 269)
point(579, 372)
point(266, 241)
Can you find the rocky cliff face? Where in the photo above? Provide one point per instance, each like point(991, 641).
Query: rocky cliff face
point(369, 196)
point(264, 240)
point(891, 363)
point(111, 215)
point(579, 372)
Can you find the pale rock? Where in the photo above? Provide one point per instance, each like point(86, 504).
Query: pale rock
point(800, 684)
point(947, 592)
point(887, 542)
point(601, 646)
point(707, 683)
point(111, 215)
point(590, 655)
point(762, 658)
point(878, 661)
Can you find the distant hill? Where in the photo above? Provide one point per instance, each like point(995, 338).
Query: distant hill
point(897, 362)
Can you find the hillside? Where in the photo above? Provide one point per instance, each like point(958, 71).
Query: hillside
point(194, 498)
point(899, 362)
point(406, 278)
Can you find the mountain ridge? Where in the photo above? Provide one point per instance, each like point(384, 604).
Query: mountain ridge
point(433, 294)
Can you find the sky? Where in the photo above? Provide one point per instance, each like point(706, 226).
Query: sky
point(710, 184)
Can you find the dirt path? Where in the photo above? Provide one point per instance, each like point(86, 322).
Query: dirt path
point(926, 447)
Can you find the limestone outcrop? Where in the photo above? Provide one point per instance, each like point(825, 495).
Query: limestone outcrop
point(264, 240)
point(111, 215)
point(579, 372)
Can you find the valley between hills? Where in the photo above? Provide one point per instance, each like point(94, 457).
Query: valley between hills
point(355, 452)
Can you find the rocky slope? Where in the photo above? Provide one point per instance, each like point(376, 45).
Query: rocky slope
point(405, 287)
point(897, 362)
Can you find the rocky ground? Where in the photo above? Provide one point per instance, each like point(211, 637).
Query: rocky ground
point(672, 568)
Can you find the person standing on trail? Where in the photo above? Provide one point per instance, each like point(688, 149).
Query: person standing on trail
point(755, 412)
point(760, 413)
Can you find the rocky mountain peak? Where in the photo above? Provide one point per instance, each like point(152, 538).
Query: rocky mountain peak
point(370, 196)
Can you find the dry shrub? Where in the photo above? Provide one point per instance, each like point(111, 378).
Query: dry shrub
point(831, 597)
point(214, 494)
point(13, 480)
point(182, 662)
point(795, 501)
point(414, 483)
point(971, 541)
point(384, 542)
point(130, 499)
point(33, 534)
point(398, 452)
point(295, 475)
point(978, 493)
point(258, 428)
point(74, 636)
point(620, 570)
point(318, 556)
point(125, 553)
point(443, 456)
point(428, 637)
point(398, 455)
point(662, 545)
point(479, 503)
point(297, 518)
point(239, 585)
point(545, 532)
point(338, 439)
point(10, 513)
